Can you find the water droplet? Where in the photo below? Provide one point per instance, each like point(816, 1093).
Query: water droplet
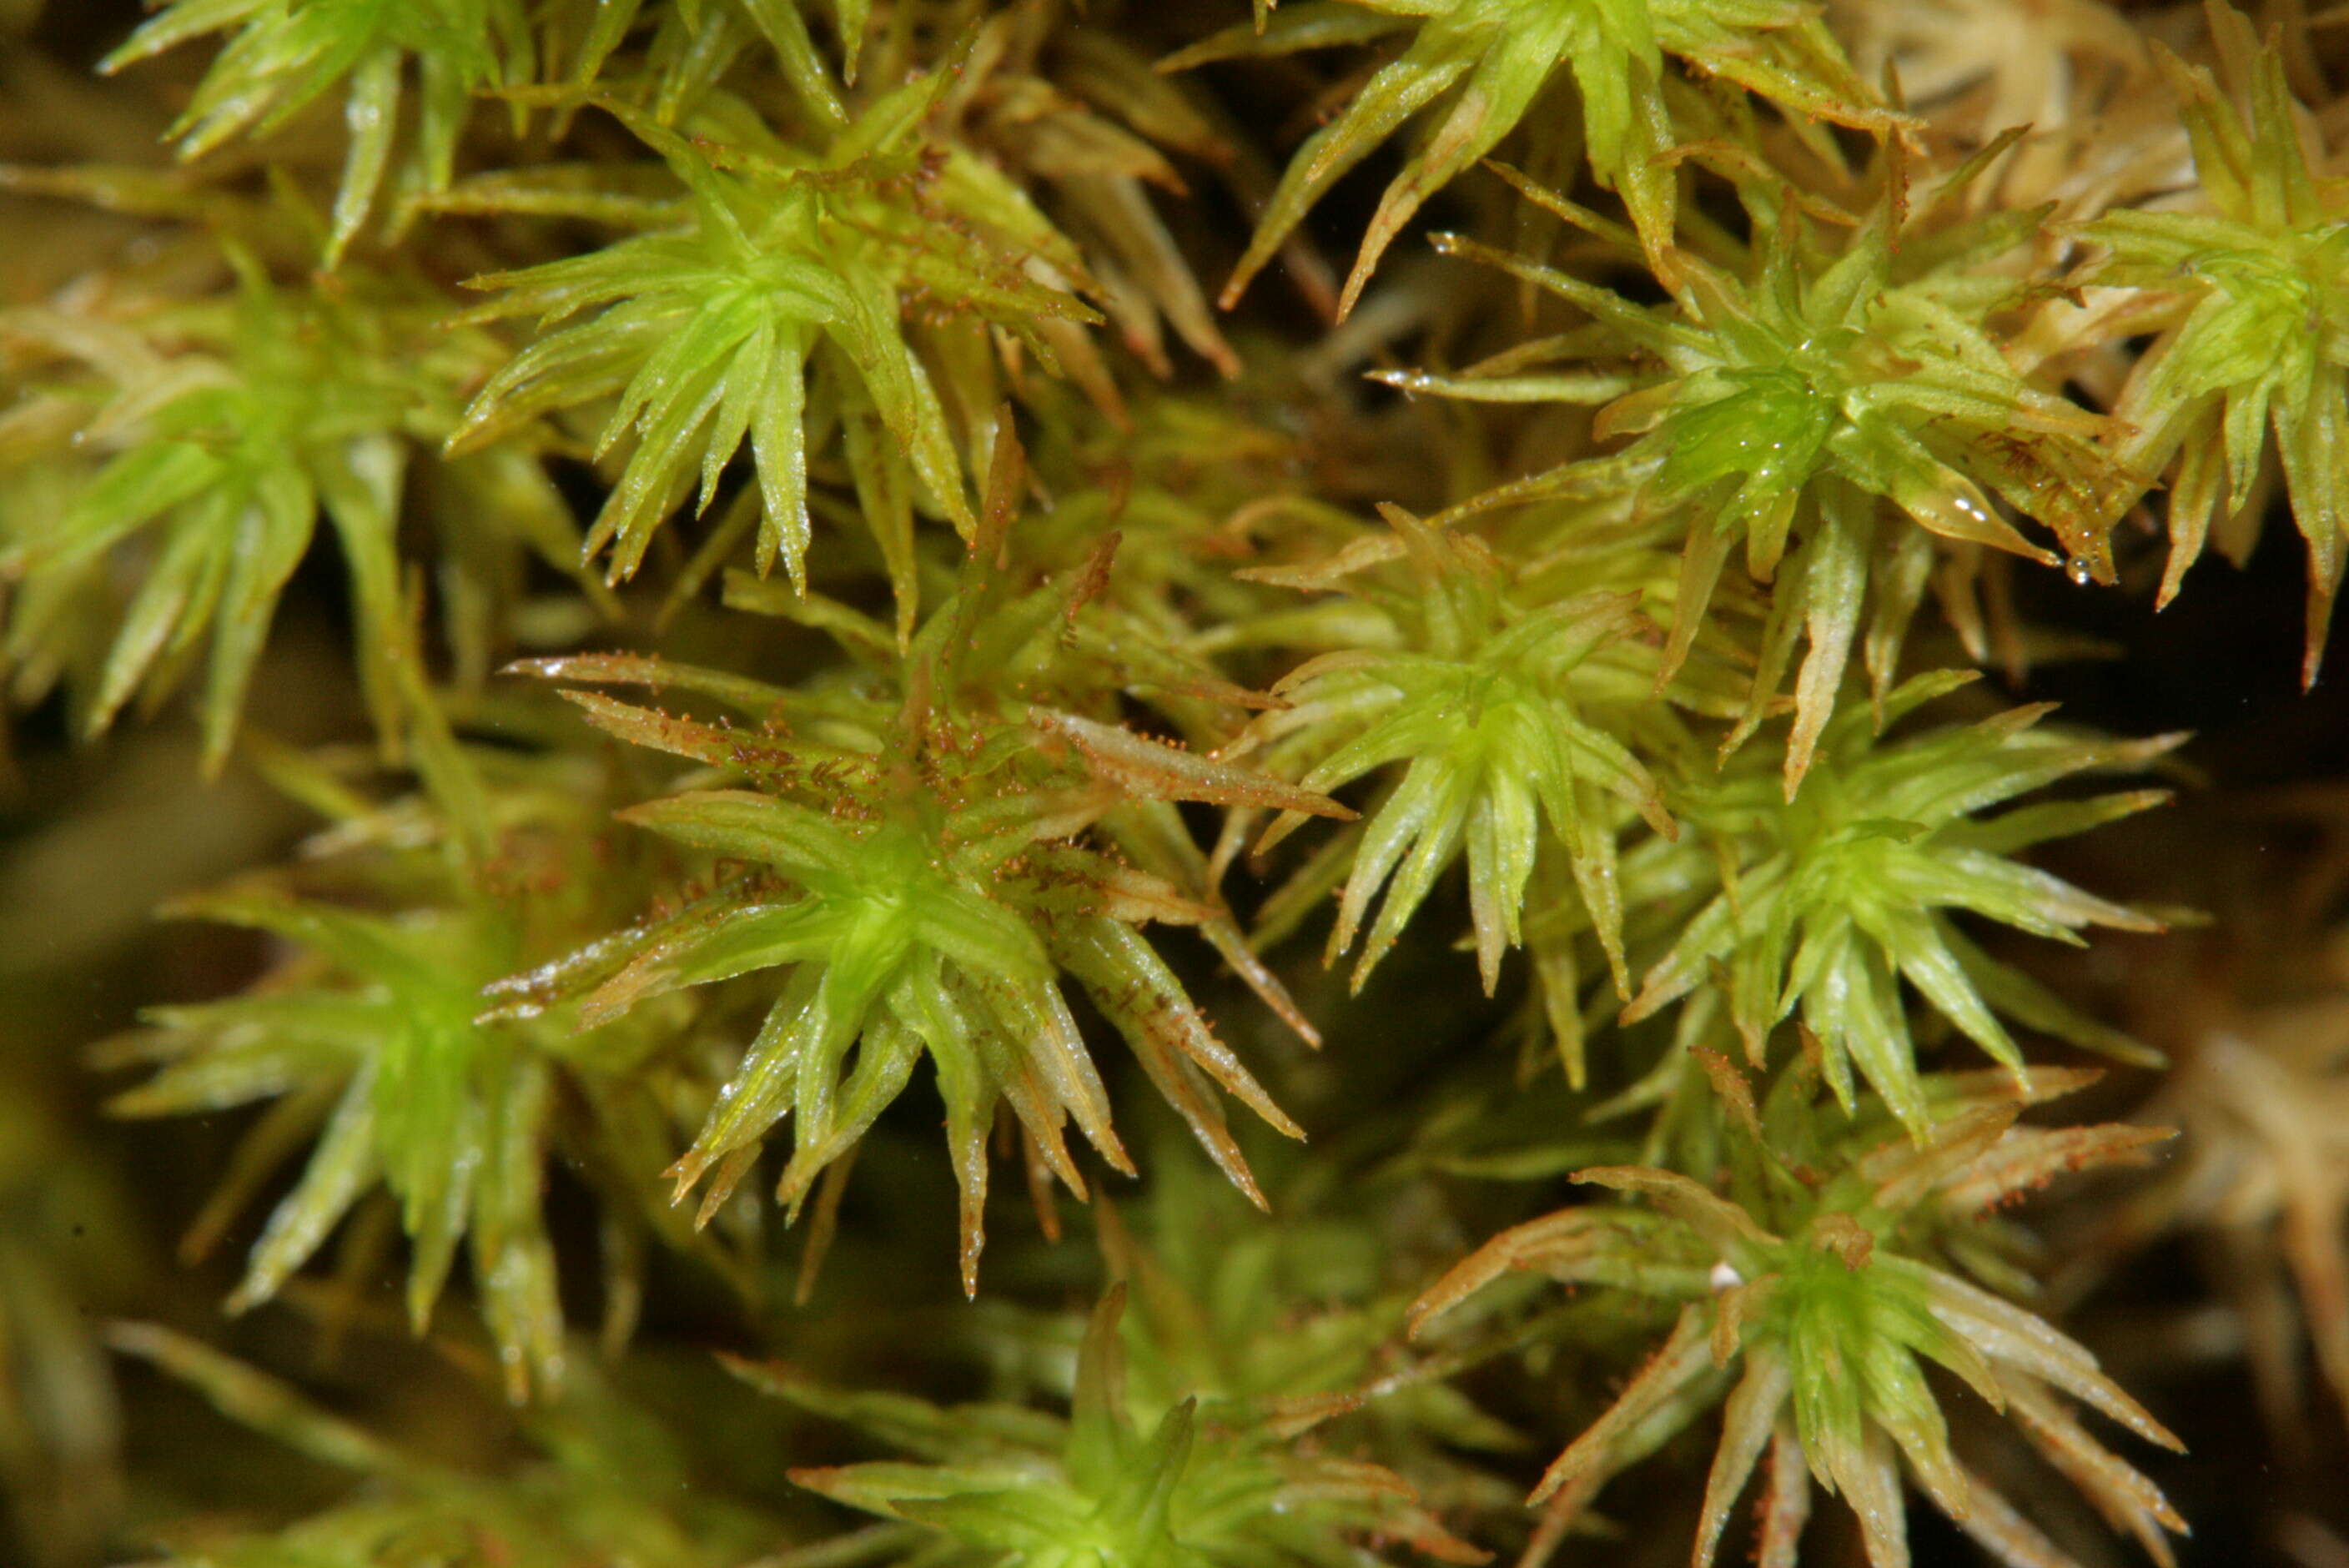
point(2078, 571)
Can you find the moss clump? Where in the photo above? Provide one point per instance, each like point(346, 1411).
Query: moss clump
point(408, 407)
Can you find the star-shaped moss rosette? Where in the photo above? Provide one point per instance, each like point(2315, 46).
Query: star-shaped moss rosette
point(1060, 651)
point(368, 1037)
point(782, 298)
point(2248, 291)
point(1791, 397)
point(222, 431)
point(1484, 64)
point(1506, 717)
point(924, 902)
point(1107, 1486)
point(925, 866)
point(1810, 1283)
point(288, 54)
point(1827, 903)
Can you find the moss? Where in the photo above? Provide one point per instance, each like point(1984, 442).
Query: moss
point(649, 893)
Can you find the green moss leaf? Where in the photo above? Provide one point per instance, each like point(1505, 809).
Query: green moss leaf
point(1484, 63)
point(790, 267)
point(1811, 1287)
point(1829, 903)
point(284, 55)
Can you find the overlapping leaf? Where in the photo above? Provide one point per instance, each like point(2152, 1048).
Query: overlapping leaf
point(1487, 62)
point(924, 872)
point(286, 54)
point(788, 265)
point(1827, 903)
point(1803, 1278)
point(1838, 378)
point(224, 428)
point(1007, 1485)
point(1487, 710)
point(694, 42)
point(2250, 297)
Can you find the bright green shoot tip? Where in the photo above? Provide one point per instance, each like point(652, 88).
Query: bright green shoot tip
point(1482, 65)
point(1485, 704)
point(922, 884)
point(2253, 342)
point(221, 452)
point(1809, 393)
point(790, 270)
point(1810, 1285)
point(1829, 902)
point(286, 54)
point(368, 1040)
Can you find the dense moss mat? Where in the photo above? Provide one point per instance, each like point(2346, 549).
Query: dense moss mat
point(1113, 786)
